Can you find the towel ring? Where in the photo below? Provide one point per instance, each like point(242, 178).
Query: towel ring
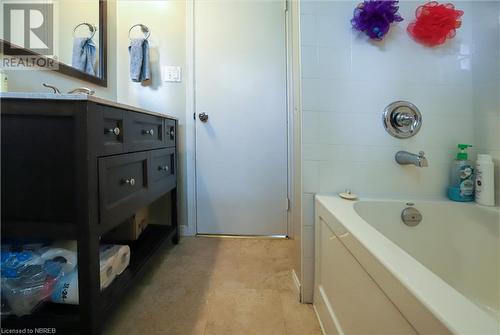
point(92, 29)
point(145, 30)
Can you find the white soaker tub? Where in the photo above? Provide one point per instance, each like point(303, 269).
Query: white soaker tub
point(376, 275)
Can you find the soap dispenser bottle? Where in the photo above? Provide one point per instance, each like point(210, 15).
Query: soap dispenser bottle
point(462, 176)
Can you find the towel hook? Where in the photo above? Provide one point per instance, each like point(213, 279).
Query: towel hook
point(92, 28)
point(145, 30)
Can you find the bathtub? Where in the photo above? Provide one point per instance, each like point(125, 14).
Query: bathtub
point(376, 275)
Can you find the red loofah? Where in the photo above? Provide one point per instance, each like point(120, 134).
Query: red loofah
point(435, 23)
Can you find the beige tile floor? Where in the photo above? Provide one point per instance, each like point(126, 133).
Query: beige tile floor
point(217, 286)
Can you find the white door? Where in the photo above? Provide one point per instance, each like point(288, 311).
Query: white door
point(241, 150)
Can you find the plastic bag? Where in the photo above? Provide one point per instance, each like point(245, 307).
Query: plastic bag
point(27, 279)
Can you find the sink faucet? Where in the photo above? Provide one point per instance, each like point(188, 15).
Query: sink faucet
point(82, 90)
point(405, 158)
point(54, 89)
point(78, 90)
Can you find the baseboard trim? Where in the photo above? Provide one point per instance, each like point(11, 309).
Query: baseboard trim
point(296, 282)
point(185, 231)
point(263, 237)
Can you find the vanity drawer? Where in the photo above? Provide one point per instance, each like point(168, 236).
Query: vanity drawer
point(144, 132)
point(170, 132)
point(123, 186)
point(110, 131)
point(163, 171)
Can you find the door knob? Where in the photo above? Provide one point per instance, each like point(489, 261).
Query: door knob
point(203, 117)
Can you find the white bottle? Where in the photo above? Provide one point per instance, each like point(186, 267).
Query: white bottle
point(485, 186)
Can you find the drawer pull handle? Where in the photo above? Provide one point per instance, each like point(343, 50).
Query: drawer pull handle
point(148, 132)
point(128, 181)
point(163, 168)
point(114, 131)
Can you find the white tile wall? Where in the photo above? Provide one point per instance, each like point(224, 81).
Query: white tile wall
point(348, 80)
point(486, 83)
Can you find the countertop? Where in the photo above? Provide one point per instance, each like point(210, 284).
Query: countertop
point(77, 97)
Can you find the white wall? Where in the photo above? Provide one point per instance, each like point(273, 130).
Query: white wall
point(486, 83)
point(346, 83)
point(167, 21)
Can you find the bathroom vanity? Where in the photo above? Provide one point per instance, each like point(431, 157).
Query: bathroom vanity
point(73, 168)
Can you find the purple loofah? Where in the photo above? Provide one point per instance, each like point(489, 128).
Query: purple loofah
point(374, 17)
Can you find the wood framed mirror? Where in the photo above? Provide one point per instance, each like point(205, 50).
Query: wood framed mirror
point(79, 36)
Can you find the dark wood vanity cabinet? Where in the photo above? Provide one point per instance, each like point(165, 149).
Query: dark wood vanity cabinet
point(76, 169)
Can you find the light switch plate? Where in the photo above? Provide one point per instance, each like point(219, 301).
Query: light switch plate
point(171, 74)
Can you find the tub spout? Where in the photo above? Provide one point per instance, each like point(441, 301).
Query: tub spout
point(405, 158)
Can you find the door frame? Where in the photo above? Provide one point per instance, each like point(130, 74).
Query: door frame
point(190, 128)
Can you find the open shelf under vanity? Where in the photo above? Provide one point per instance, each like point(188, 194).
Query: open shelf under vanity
point(80, 168)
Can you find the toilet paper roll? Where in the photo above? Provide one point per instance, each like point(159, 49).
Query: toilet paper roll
point(120, 254)
point(107, 261)
point(113, 260)
point(107, 271)
point(66, 288)
point(66, 258)
point(122, 259)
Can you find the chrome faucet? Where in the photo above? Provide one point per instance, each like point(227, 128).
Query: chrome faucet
point(82, 90)
point(78, 90)
point(54, 89)
point(405, 158)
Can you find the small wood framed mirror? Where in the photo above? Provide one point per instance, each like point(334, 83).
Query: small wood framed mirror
point(67, 36)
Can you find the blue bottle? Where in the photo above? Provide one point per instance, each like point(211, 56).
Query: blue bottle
point(462, 177)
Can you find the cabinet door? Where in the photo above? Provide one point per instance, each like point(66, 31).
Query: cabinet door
point(163, 171)
point(123, 186)
point(144, 132)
